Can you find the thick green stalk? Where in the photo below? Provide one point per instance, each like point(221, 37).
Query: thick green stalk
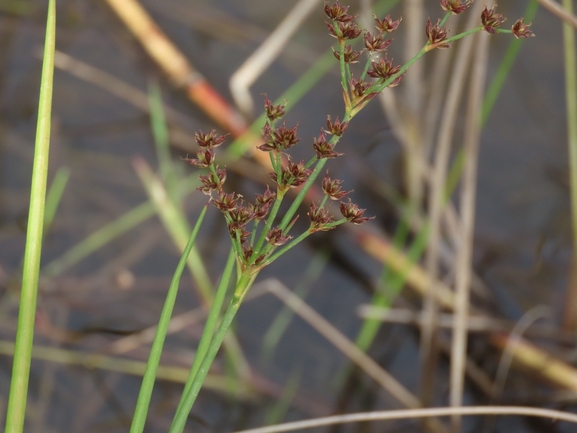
point(244, 283)
point(16, 411)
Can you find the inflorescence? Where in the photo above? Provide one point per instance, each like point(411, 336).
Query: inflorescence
point(255, 244)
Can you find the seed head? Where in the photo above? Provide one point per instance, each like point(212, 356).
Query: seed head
point(455, 6)
point(350, 55)
point(263, 203)
point(275, 237)
point(225, 202)
point(436, 35)
point(238, 229)
point(383, 68)
point(337, 12)
point(324, 149)
point(491, 20)
point(376, 43)
point(333, 188)
point(212, 183)
point(344, 30)
point(292, 175)
point(273, 112)
point(267, 135)
point(336, 128)
point(279, 138)
point(360, 88)
point(387, 25)
point(320, 217)
point(204, 158)
point(210, 140)
point(240, 214)
point(266, 197)
point(521, 30)
point(353, 213)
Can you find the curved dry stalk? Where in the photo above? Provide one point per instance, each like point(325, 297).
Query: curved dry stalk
point(260, 60)
point(554, 415)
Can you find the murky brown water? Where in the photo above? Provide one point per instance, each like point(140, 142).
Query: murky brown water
point(523, 227)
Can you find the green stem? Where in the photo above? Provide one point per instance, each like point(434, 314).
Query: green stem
point(268, 224)
point(16, 411)
point(149, 377)
point(244, 283)
point(211, 322)
point(342, 61)
point(287, 247)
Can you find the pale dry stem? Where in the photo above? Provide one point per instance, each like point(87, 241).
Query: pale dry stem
point(464, 251)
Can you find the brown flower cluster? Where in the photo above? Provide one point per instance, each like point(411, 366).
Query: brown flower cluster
point(239, 214)
point(343, 28)
point(436, 35)
point(491, 21)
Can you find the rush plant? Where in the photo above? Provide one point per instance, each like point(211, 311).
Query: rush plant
point(259, 232)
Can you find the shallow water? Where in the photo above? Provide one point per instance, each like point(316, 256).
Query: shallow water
point(522, 218)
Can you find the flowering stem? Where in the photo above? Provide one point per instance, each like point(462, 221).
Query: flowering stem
point(301, 195)
point(268, 224)
point(287, 247)
point(342, 64)
point(243, 285)
point(210, 325)
point(470, 32)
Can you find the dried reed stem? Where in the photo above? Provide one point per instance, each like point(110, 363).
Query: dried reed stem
point(465, 249)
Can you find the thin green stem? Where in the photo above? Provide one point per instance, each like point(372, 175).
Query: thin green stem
point(287, 247)
point(211, 322)
point(244, 283)
point(143, 402)
point(268, 225)
point(342, 67)
point(16, 411)
point(505, 66)
point(302, 193)
point(55, 195)
point(161, 141)
point(445, 18)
